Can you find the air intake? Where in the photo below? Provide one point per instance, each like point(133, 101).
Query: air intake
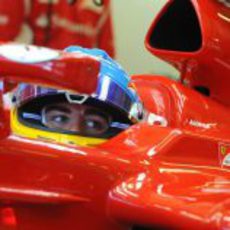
point(178, 28)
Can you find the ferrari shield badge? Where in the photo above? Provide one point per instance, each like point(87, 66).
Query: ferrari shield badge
point(224, 154)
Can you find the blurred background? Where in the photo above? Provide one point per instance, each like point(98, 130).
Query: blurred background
point(118, 26)
point(131, 22)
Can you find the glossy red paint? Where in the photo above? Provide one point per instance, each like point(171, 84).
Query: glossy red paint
point(204, 26)
point(65, 71)
point(173, 175)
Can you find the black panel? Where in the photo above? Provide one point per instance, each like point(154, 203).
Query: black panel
point(178, 29)
point(203, 90)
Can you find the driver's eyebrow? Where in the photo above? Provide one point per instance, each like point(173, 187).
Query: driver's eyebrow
point(92, 111)
point(58, 108)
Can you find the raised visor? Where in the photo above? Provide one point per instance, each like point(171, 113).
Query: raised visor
point(177, 28)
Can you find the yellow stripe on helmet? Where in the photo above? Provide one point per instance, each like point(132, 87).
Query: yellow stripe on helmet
point(24, 131)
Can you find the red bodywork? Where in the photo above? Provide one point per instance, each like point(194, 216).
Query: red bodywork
point(148, 177)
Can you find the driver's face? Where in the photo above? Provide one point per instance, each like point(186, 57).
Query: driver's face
point(83, 119)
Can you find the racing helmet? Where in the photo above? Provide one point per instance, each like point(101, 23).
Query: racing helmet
point(44, 113)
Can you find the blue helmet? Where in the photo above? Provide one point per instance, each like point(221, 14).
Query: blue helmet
point(113, 96)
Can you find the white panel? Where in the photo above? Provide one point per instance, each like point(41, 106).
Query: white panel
point(132, 19)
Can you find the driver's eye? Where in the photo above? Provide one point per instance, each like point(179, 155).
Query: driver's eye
point(91, 124)
point(95, 124)
point(60, 119)
point(57, 117)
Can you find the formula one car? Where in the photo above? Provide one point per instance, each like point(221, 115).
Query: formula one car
point(152, 154)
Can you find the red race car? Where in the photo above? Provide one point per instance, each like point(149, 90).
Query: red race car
point(83, 146)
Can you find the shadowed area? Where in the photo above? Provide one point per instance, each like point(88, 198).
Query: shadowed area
point(177, 29)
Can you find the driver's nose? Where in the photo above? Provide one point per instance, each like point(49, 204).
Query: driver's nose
point(77, 117)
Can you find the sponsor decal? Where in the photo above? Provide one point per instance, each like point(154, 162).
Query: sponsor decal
point(27, 53)
point(224, 154)
point(154, 119)
point(203, 125)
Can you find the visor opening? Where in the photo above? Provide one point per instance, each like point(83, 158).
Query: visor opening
point(31, 116)
point(178, 29)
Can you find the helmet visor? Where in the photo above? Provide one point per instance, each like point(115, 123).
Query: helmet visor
point(82, 119)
